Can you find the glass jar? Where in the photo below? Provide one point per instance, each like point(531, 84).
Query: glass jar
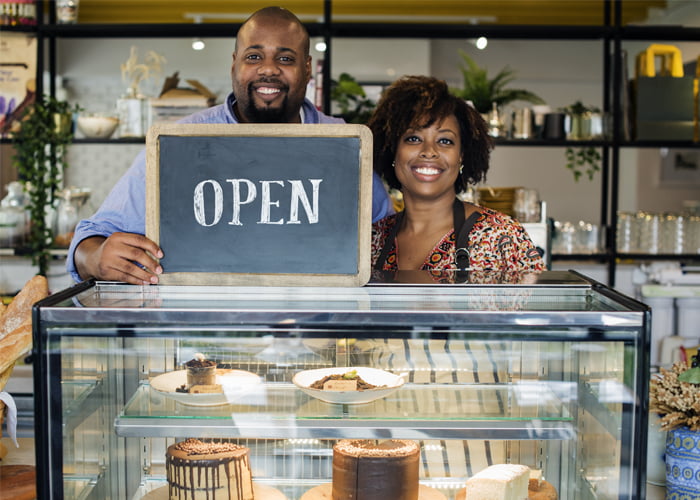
point(69, 211)
point(14, 217)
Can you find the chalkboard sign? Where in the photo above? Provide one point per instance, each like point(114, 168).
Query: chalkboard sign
point(271, 205)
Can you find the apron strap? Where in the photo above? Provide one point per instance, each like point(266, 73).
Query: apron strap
point(462, 237)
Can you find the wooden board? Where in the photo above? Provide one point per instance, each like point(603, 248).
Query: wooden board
point(261, 204)
point(17, 482)
point(324, 492)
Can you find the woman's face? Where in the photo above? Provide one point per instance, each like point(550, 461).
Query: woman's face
point(427, 160)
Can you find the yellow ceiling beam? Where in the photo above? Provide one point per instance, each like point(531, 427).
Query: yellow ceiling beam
point(546, 12)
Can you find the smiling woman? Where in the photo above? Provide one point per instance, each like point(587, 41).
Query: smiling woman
point(430, 144)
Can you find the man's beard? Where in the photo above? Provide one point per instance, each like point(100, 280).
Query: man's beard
point(266, 115)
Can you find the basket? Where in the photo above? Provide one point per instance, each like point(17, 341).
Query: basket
point(498, 198)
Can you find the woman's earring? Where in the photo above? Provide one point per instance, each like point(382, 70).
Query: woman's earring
point(393, 164)
point(461, 167)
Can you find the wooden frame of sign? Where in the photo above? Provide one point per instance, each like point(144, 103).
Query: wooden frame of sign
point(260, 204)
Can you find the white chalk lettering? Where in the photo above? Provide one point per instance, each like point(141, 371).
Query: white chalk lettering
point(266, 203)
point(199, 210)
point(299, 195)
point(252, 194)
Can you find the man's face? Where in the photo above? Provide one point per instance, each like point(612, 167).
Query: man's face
point(270, 71)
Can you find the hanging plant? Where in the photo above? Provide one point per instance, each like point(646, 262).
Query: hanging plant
point(40, 157)
point(585, 159)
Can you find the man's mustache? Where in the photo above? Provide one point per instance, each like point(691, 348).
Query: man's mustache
point(269, 81)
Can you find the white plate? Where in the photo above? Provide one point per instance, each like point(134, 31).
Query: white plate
point(235, 384)
point(371, 375)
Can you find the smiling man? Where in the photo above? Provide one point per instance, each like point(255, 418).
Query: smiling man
point(271, 67)
point(270, 71)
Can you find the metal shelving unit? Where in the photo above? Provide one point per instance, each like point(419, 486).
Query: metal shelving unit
point(611, 32)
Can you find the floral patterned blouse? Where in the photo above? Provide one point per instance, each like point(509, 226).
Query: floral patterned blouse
point(496, 243)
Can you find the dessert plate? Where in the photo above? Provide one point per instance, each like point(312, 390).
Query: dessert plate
point(325, 492)
point(303, 380)
point(234, 383)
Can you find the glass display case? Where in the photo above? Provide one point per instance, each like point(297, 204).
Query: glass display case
point(548, 371)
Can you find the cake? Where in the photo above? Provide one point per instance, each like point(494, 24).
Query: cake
point(198, 470)
point(200, 372)
point(537, 488)
point(375, 470)
point(499, 482)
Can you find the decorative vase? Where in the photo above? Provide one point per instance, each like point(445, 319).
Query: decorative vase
point(131, 109)
point(683, 464)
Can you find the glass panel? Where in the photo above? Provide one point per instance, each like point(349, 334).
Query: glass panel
point(469, 403)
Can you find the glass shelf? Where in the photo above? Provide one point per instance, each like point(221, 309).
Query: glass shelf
point(431, 411)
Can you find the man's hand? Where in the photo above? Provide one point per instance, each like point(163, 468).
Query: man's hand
point(124, 257)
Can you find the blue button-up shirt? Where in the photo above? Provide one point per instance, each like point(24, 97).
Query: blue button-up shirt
point(124, 208)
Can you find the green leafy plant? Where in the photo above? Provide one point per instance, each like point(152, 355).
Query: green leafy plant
point(586, 159)
point(583, 160)
point(40, 157)
point(483, 91)
point(352, 101)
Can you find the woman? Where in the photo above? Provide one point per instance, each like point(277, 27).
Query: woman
point(431, 144)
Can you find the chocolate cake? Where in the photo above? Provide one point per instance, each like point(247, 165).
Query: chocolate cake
point(198, 470)
point(372, 470)
point(200, 371)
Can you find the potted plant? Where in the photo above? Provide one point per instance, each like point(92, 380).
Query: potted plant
point(483, 91)
point(674, 394)
point(352, 101)
point(40, 157)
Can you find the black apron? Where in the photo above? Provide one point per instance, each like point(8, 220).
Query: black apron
point(461, 239)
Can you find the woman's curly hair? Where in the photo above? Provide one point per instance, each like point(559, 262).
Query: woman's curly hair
point(416, 102)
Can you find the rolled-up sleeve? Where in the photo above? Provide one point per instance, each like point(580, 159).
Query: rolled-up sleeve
point(122, 211)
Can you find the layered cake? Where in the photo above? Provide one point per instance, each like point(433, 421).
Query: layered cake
point(372, 470)
point(499, 482)
point(200, 371)
point(198, 470)
point(505, 482)
point(201, 376)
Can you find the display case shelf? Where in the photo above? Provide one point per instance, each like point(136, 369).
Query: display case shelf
point(282, 411)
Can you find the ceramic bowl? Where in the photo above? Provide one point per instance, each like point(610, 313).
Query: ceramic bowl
point(97, 127)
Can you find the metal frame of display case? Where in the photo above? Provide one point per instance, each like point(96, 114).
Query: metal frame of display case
point(559, 307)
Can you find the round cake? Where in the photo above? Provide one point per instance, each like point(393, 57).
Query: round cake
point(198, 470)
point(375, 470)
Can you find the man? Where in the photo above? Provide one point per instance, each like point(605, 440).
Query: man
point(271, 68)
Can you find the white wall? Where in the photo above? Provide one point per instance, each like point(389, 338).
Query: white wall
point(561, 72)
